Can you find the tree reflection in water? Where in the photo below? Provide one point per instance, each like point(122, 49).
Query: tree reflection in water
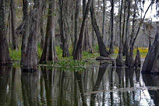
point(30, 89)
point(152, 80)
point(97, 86)
point(4, 82)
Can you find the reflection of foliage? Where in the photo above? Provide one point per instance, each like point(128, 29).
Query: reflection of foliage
point(68, 65)
point(71, 65)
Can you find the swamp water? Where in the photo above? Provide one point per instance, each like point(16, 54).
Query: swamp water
point(101, 85)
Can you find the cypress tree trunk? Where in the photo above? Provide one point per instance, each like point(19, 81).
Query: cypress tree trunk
point(49, 52)
point(13, 23)
point(63, 32)
point(30, 61)
point(4, 51)
point(78, 51)
point(112, 28)
point(150, 64)
point(126, 48)
point(25, 33)
point(102, 49)
point(86, 40)
point(76, 25)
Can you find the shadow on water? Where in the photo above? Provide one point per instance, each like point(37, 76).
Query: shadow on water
point(152, 81)
point(102, 69)
point(30, 89)
point(96, 86)
point(4, 82)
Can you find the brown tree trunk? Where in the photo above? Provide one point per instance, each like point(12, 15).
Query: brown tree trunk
point(63, 32)
point(119, 60)
point(112, 28)
point(78, 51)
point(134, 35)
point(102, 49)
point(86, 40)
point(42, 25)
point(25, 33)
point(126, 48)
point(31, 59)
point(13, 22)
point(150, 64)
point(49, 52)
point(131, 59)
point(4, 51)
point(76, 25)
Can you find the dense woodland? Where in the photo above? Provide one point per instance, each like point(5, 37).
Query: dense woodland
point(80, 25)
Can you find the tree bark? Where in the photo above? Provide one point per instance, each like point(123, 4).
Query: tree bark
point(49, 52)
point(13, 23)
point(102, 49)
point(4, 55)
point(63, 33)
point(119, 60)
point(76, 25)
point(42, 25)
point(31, 59)
point(112, 28)
point(86, 41)
point(126, 48)
point(25, 32)
point(78, 51)
point(151, 60)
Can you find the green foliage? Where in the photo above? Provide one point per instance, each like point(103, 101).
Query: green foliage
point(15, 64)
point(59, 52)
point(15, 54)
point(87, 55)
point(39, 51)
point(71, 65)
point(96, 48)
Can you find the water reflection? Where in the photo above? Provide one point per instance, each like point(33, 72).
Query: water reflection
point(4, 82)
point(30, 88)
point(97, 86)
point(152, 80)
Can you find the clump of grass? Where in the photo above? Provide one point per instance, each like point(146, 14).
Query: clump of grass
point(71, 65)
point(87, 55)
point(15, 54)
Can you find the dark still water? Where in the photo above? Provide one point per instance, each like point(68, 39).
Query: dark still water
point(96, 86)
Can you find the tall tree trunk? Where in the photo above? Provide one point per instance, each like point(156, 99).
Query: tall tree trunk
point(86, 41)
point(43, 12)
point(31, 60)
point(112, 27)
point(76, 25)
point(4, 55)
point(131, 59)
point(24, 33)
point(150, 63)
point(63, 33)
point(93, 37)
point(103, 23)
point(13, 23)
point(119, 60)
point(133, 34)
point(123, 31)
point(126, 47)
point(78, 51)
point(102, 49)
point(49, 52)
